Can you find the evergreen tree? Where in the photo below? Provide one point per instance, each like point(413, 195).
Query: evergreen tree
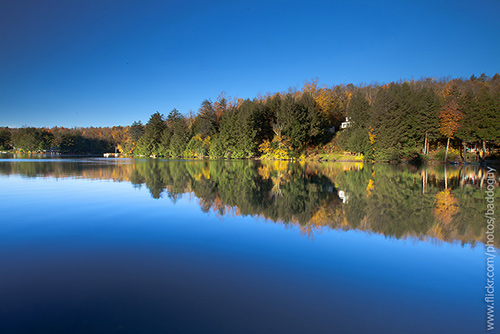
point(468, 131)
point(488, 125)
point(136, 131)
point(179, 133)
point(205, 123)
point(5, 139)
point(263, 120)
point(246, 129)
point(237, 138)
point(149, 143)
point(315, 122)
point(388, 124)
point(293, 120)
point(426, 118)
point(29, 139)
point(356, 133)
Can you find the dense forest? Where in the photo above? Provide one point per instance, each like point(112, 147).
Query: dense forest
point(408, 120)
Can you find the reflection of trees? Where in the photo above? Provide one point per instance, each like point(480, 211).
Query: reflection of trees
point(404, 202)
point(446, 206)
point(61, 168)
point(397, 201)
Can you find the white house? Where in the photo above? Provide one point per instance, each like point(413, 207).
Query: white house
point(345, 124)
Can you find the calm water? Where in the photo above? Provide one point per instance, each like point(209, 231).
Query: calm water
point(150, 246)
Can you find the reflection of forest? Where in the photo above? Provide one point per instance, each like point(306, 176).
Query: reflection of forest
point(433, 203)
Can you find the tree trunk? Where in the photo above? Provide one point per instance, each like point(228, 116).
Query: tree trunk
point(424, 180)
point(425, 143)
point(465, 152)
point(484, 152)
point(446, 153)
point(445, 178)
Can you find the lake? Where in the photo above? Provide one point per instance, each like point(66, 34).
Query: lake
point(94, 245)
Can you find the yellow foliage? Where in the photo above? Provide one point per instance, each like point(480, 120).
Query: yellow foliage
point(325, 101)
point(446, 206)
point(349, 95)
point(264, 171)
point(370, 188)
point(206, 172)
point(265, 147)
point(372, 135)
point(279, 148)
point(321, 217)
point(207, 142)
point(280, 166)
point(358, 165)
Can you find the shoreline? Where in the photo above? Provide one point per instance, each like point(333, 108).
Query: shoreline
point(429, 162)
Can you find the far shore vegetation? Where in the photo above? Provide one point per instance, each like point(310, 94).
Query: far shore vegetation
point(415, 121)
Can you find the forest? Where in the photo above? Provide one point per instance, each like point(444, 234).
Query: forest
point(410, 120)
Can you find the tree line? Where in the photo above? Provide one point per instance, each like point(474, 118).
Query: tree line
point(89, 140)
point(409, 118)
point(399, 120)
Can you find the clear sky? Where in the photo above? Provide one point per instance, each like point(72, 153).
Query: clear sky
point(104, 63)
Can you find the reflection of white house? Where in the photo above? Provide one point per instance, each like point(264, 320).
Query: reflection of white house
point(343, 196)
point(345, 124)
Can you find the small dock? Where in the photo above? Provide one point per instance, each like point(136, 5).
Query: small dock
point(111, 155)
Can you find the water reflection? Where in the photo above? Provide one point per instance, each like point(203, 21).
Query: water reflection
point(433, 203)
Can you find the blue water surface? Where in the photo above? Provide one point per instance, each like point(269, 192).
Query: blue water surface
point(97, 255)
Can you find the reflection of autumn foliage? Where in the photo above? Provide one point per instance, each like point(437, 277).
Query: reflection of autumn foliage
point(383, 199)
point(370, 188)
point(308, 230)
point(436, 231)
point(277, 171)
point(446, 206)
point(205, 172)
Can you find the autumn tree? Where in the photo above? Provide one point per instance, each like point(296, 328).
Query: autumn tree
point(134, 133)
point(446, 206)
point(120, 137)
point(449, 122)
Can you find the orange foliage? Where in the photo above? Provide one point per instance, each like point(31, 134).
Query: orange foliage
point(449, 119)
point(446, 206)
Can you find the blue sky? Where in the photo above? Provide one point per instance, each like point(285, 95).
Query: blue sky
point(105, 63)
